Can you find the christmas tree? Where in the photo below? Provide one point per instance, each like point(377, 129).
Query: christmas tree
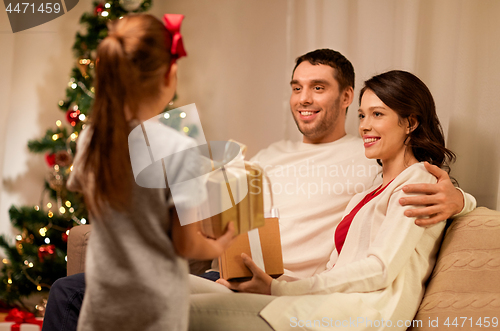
point(38, 256)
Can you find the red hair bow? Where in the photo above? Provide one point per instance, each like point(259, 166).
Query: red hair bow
point(173, 24)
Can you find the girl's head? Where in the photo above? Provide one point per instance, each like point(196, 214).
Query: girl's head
point(398, 104)
point(135, 79)
point(134, 64)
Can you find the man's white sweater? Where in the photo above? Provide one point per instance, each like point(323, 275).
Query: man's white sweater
point(312, 185)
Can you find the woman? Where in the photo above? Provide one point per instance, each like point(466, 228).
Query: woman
point(375, 277)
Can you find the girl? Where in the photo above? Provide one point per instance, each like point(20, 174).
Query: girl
point(136, 276)
point(376, 274)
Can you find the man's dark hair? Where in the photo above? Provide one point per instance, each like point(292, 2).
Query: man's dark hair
point(344, 71)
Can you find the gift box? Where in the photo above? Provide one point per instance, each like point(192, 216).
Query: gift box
point(236, 188)
point(18, 320)
point(263, 245)
point(11, 326)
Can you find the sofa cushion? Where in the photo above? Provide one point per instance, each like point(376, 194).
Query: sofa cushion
point(465, 282)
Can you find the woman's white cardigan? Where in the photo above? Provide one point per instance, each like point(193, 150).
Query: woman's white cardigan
point(377, 280)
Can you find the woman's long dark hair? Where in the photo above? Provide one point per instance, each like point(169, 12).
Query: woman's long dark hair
point(410, 98)
point(128, 71)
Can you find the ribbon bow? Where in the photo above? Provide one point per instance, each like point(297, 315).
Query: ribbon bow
point(173, 24)
point(18, 317)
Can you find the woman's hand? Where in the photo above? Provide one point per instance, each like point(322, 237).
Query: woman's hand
point(441, 200)
point(260, 282)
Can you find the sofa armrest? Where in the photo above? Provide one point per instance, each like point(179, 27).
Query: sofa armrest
point(77, 248)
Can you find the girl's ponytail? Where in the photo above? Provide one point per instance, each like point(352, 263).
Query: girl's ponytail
point(128, 70)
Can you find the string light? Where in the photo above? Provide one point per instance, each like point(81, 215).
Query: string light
point(71, 210)
point(50, 214)
point(82, 117)
point(73, 136)
point(30, 264)
point(67, 232)
point(9, 281)
point(56, 168)
point(55, 137)
point(73, 86)
point(107, 5)
point(5, 261)
point(49, 205)
point(61, 103)
point(38, 287)
point(37, 208)
point(19, 237)
point(47, 241)
point(185, 129)
point(84, 88)
point(166, 116)
point(67, 203)
point(104, 14)
point(43, 231)
point(62, 210)
point(26, 262)
point(182, 115)
point(66, 258)
point(84, 61)
point(58, 123)
point(83, 221)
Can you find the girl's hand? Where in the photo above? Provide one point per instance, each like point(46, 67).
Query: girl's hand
point(223, 242)
point(260, 282)
point(190, 243)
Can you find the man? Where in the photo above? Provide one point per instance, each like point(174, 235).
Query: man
point(312, 182)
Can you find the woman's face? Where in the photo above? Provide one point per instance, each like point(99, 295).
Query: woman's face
point(379, 126)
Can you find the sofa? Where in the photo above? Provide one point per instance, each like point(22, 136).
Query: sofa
point(463, 291)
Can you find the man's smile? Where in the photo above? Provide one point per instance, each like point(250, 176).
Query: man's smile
point(308, 114)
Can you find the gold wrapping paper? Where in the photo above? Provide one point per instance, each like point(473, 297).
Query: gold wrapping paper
point(246, 215)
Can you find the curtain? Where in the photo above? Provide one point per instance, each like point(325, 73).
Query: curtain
point(451, 45)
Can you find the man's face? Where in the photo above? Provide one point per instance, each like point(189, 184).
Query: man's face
point(317, 106)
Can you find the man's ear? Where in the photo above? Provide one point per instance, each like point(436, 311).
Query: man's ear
point(171, 75)
point(347, 97)
point(412, 124)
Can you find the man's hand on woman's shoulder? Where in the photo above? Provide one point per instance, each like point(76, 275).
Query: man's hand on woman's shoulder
point(440, 201)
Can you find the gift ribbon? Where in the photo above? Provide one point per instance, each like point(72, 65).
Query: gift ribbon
point(256, 248)
point(228, 154)
point(173, 24)
point(18, 317)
